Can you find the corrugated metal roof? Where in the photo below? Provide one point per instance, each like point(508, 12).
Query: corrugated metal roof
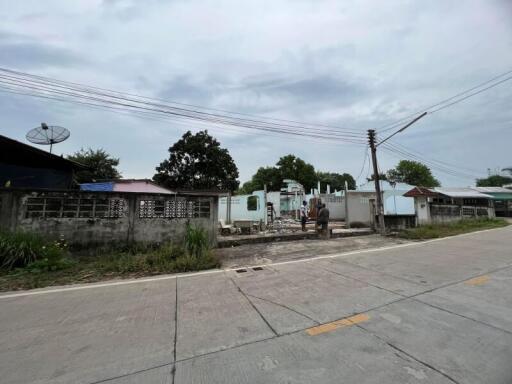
point(492, 189)
point(462, 192)
point(98, 187)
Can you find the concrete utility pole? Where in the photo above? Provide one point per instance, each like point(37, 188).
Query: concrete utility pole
point(376, 176)
point(376, 180)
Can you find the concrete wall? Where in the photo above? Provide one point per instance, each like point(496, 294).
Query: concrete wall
point(239, 207)
point(87, 218)
point(422, 209)
point(359, 206)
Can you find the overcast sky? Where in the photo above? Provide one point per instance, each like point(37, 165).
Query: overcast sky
point(354, 64)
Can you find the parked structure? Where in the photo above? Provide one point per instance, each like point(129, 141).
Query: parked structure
point(502, 198)
point(87, 218)
point(437, 205)
point(24, 166)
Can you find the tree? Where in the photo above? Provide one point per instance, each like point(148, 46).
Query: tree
point(264, 175)
point(100, 165)
point(493, 181)
point(288, 167)
point(335, 180)
point(291, 167)
point(413, 173)
point(382, 176)
point(197, 161)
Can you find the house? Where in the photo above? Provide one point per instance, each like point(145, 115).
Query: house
point(437, 205)
point(502, 198)
point(24, 166)
point(126, 185)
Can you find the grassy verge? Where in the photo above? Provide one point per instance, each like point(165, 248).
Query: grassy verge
point(433, 231)
point(25, 262)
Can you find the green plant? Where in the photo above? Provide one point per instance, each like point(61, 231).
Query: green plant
point(18, 249)
point(196, 240)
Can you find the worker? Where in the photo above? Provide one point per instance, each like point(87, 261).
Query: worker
point(304, 215)
point(323, 221)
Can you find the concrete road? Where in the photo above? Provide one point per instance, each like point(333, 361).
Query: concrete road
point(433, 312)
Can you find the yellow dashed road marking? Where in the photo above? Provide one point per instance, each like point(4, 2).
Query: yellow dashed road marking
point(480, 280)
point(337, 324)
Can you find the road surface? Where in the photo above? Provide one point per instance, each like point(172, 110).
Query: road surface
point(433, 312)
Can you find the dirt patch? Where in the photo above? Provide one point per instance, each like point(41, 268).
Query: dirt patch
point(253, 254)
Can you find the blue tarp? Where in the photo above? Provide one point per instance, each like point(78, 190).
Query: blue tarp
point(98, 187)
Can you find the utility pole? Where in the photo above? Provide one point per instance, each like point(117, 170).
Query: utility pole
point(376, 180)
point(376, 176)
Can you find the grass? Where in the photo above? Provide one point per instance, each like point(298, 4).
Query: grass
point(107, 263)
point(433, 231)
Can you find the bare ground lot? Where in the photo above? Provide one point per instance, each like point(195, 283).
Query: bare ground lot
point(266, 253)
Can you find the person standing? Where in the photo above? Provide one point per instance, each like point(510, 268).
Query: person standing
point(304, 215)
point(323, 221)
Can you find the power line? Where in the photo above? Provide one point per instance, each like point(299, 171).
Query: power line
point(113, 97)
point(401, 154)
point(177, 103)
point(390, 126)
point(364, 163)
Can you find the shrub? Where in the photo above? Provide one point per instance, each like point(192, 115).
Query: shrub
point(19, 249)
point(196, 241)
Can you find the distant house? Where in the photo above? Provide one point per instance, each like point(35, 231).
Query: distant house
point(434, 205)
point(502, 198)
point(125, 185)
point(24, 166)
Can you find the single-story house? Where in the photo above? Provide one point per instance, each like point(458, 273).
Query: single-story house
point(449, 204)
point(502, 198)
point(24, 166)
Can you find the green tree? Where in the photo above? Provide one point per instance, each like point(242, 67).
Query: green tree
point(382, 176)
point(493, 181)
point(335, 180)
point(413, 173)
point(197, 161)
point(264, 175)
point(288, 167)
point(100, 165)
point(291, 167)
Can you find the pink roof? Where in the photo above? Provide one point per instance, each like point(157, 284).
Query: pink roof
point(141, 186)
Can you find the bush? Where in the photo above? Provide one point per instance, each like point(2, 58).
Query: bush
point(196, 241)
point(19, 249)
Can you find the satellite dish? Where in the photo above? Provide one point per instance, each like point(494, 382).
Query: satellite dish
point(47, 135)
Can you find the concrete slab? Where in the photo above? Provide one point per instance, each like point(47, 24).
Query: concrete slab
point(160, 375)
point(317, 294)
point(467, 351)
point(86, 336)
point(436, 263)
point(213, 315)
point(487, 299)
point(346, 355)
point(397, 285)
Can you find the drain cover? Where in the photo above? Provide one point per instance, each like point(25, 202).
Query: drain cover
point(257, 269)
point(241, 270)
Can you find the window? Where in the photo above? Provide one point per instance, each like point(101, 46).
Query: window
point(74, 207)
point(252, 203)
point(174, 208)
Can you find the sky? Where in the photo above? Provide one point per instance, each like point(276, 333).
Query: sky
point(350, 64)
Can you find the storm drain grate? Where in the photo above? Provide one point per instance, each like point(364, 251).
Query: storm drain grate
point(257, 269)
point(242, 270)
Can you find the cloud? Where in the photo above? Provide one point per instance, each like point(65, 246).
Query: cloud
point(355, 64)
point(19, 51)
